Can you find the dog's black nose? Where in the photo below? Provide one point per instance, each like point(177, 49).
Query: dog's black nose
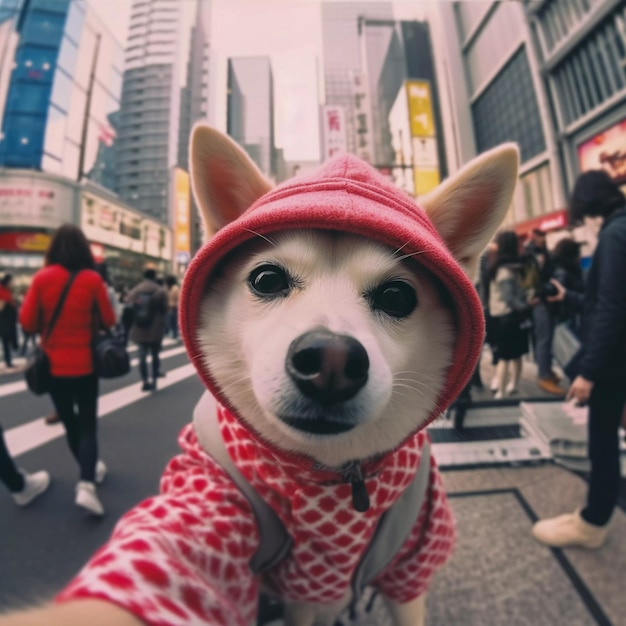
point(326, 367)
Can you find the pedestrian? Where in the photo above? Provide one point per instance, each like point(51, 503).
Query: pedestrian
point(173, 294)
point(74, 384)
point(127, 315)
point(509, 310)
point(24, 487)
point(149, 303)
point(543, 312)
point(8, 320)
point(103, 270)
point(601, 379)
point(568, 275)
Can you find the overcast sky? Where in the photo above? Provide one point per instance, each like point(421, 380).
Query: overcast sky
point(289, 31)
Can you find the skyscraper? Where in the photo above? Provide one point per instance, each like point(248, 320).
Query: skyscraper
point(342, 53)
point(194, 96)
point(147, 145)
point(250, 109)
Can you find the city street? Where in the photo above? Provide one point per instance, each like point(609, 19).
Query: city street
point(493, 470)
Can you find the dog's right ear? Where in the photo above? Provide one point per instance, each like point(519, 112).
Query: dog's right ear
point(224, 179)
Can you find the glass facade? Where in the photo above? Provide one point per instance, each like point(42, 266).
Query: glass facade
point(250, 80)
point(64, 88)
point(507, 110)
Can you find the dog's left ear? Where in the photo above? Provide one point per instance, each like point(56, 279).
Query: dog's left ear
point(468, 208)
point(224, 178)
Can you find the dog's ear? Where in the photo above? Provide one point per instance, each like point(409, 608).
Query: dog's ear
point(468, 208)
point(224, 179)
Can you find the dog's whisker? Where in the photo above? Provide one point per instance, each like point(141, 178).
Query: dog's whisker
point(272, 243)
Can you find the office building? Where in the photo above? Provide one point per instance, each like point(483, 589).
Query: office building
point(344, 80)
point(148, 136)
point(64, 85)
point(392, 53)
point(250, 109)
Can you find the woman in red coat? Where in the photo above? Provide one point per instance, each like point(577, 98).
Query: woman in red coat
point(74, 385)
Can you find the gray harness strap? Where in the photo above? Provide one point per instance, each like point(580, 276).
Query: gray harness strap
point(275, 542)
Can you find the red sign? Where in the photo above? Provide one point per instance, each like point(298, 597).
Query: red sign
point(545, 223)
point(24, 242)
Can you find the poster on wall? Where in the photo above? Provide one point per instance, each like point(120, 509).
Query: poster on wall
point(182, 216)
point(606, 151)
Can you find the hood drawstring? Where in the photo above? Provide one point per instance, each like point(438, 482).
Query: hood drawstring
point(360, 498)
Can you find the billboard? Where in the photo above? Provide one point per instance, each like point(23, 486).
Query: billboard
point(182, 217)
point(334, 137)
point(606, 151)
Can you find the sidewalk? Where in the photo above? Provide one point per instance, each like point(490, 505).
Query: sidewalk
point(19, 365)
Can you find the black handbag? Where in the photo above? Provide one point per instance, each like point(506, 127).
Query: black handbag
point(37, 373)
point(110, 357)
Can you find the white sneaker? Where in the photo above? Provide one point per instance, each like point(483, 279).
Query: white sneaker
point(494, 384)
point(34, 485)
point(569, 530)
point(511, 388)
point(87, 498)
point(499, 395)
point(101, 471)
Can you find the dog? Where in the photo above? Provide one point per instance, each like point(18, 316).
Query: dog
point(331, 319)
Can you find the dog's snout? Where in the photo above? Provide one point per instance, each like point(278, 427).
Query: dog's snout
point(327, 367)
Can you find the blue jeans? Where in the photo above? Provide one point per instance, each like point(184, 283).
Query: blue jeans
point(154, 349)
point(172, 322)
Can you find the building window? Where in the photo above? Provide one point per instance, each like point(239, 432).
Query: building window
point(508, 111)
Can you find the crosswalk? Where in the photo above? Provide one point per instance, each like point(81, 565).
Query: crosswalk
point(35, 433)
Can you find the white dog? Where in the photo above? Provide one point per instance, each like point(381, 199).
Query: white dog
point(332, 319)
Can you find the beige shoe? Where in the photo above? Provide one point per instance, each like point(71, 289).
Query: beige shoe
point(87, 498)
point(569, 530)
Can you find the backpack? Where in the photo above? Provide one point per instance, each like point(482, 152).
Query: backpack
point(144, 307)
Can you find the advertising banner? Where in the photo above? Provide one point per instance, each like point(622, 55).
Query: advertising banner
point(362, 116)
point(182, 216)
point(420, 108)
point(35, 201)
point(106, 222)
point(607, 151)
point(334, 137)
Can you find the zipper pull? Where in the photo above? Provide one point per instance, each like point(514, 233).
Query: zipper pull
point(360, 497)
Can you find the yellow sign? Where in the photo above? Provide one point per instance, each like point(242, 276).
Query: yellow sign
point(182, 216)
point(420, 108)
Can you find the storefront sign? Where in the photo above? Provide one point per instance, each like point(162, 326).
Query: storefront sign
point(545, 223)
point(111, 224)
point(334, 138)
point(362, 116)
point(34, 201)
point(420, 108)
point(607, 151)
point(18, 241)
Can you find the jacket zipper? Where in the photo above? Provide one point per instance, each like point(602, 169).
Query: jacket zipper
point(360, 498)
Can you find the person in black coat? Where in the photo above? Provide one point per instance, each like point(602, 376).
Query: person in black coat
point(568, 277)
point(601, 380)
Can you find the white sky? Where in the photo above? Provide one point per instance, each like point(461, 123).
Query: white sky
point(289, 31)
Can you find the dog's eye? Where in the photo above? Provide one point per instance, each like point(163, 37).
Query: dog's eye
point(396, 298)
point(269, 280)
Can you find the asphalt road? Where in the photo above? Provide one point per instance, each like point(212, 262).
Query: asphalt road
point(43, 545)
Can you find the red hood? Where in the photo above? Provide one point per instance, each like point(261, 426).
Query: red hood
point(346, 195)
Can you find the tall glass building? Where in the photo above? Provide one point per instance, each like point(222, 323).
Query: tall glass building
point(147, 147)
point(250, 109)
point(341, 49)
point(64, 86)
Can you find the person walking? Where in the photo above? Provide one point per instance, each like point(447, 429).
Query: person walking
point(24, 487)
point(509, 310)
point(8, 320)
point(173, 295)
point(601, 379)
point(543, 312)
point(149, 303)
point(568, 275)
point(74, 384)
